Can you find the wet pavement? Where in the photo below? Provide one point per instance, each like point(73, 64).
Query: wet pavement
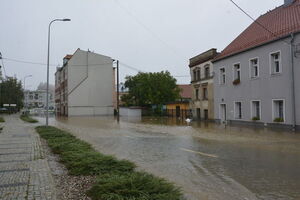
point(208, 161)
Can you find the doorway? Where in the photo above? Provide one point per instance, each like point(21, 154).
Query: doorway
point(198, 113)
point(223, 117)
point(177, 111)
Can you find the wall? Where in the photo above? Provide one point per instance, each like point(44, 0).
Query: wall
point(130, 112)
point(90, 84)
point(264, 88)
point(297, 80)
point(203, 104)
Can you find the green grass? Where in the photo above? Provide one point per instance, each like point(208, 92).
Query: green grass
point(117, 179)
point(27, 118)
point(2, 119)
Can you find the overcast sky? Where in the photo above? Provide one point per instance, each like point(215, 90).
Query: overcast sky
point(149, 35)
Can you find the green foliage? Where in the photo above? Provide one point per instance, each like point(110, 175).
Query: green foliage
point(79, 157)
point(11, 92)
point(133, 186)
point(2, 119)
point(278, 119)
point(150, 88)
point(117, 179)
point(27, 118)
point(255, 118)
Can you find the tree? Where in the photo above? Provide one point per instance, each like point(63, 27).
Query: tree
point(150, 88)
point(11, 92)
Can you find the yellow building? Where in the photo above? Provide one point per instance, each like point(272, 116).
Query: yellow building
point(181, 107)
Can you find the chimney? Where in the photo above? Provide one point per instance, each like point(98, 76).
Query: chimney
point(288, 2)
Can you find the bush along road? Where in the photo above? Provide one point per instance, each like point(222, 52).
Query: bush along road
point(27, 118)
point(116, 179)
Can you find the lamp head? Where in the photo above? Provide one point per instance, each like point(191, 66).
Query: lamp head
point(66, 20)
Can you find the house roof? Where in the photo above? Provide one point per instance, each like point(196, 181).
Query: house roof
point(203, 57)
point(68, 56)
point(185, 91)
point(281, 22)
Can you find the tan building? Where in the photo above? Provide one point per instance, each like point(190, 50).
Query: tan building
point(84, 85)
point(201, 69)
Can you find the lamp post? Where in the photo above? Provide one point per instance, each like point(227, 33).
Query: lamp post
point(25, 90)
point(47, 96)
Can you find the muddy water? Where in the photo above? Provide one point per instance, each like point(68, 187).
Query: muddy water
point(207, 161)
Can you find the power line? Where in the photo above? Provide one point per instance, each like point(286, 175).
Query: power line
point(148, 29)
point(254, 20)
point(26, 62)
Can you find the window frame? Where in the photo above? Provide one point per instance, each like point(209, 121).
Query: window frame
point(234, 110)
point(250, 68)
point(251, 109)
point(233, 68)
point(284, 109)
point(271, 61)
point(221, 76)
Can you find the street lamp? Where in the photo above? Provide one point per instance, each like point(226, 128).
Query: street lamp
point(47, 96)
point(25, 90)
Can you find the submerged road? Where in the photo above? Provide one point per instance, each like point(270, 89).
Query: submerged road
point(207, 161)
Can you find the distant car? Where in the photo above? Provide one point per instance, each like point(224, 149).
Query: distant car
point(3, 109)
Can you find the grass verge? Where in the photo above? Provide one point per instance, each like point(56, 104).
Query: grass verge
point(2, 119)
point(27, 118)
point(117, 179)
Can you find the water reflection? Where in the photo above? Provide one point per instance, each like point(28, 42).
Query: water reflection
point(251, 163)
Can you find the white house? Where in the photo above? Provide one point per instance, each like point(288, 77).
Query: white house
point(84, 85)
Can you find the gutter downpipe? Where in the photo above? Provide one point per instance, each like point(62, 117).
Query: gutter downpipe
point(293, 82)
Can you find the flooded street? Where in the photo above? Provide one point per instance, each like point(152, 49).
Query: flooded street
point(207, 161)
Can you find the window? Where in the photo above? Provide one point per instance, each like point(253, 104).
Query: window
point(198, 74)
point(222, 76)
point(194, 75)
point(255, 110)
point(275, 63)
point(237, 72)
point(205, 94)
point(197, 94)
point(254, 71)
point(278, 111)
point(207, 71)
point(238, 110)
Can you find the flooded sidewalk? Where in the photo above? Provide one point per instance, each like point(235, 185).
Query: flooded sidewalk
point(24, 172)
point(207, 161)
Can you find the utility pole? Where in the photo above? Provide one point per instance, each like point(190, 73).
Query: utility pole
point(118, 106)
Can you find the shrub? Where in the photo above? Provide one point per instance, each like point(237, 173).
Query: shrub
point(278, 120)
point(255, 118)
point(27, 118)
point(2, 119)
point(117, 179)
point(236, 82)
point(133, 186)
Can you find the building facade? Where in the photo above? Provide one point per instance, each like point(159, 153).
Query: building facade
point(256, 75)
point(181, 107)
point(84, 85)
point(201, 69)
point(37, 99)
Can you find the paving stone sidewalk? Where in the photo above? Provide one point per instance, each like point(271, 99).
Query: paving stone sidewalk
point(24, 172)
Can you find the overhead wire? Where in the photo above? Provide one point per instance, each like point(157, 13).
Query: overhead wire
point(255, 21)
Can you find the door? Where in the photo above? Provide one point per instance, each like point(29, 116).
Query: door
point(223, 112)
point(206, 114)
point(198, 113)
point(177, 111)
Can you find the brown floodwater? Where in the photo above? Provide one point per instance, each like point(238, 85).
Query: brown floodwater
point(208, 161)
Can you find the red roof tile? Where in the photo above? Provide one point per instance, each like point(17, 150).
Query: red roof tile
point(186, 91)
point(281, 21)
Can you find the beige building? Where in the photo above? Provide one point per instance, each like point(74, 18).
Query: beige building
point(201, 69)
point(84, 85)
